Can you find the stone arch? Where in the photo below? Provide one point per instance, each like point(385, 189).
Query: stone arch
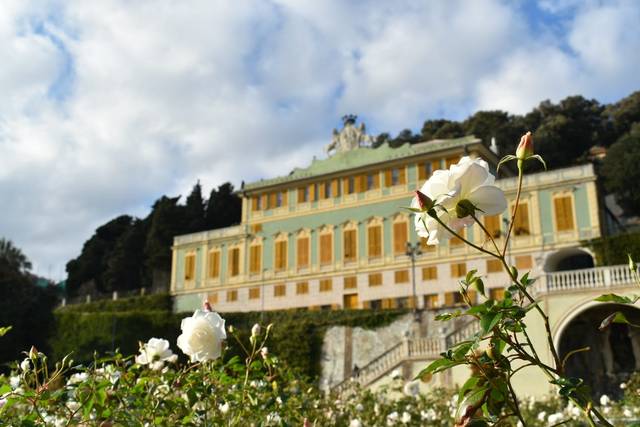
point(568, 259)
point(614, 353)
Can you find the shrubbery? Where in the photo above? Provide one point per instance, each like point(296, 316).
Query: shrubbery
point(253, 390)
point(101, 326)
point(613, 250)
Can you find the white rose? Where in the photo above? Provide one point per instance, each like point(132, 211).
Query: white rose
point(406, 418)
point(78, 378)
point(255, 331)
point(605, 400)
point(202, 336)
point(25, 365)
point(355, 423)
point(224, 408)
point(469, 180)
point(555, 418)
point(155, 353)
point(14, 382)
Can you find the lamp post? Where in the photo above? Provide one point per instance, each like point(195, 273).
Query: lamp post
point(413, 251)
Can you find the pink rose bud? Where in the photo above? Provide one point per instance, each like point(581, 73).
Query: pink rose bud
point(525, 148)
point(207, 306)
point(424, 201)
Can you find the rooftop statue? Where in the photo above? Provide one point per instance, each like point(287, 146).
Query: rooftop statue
point(349, 138)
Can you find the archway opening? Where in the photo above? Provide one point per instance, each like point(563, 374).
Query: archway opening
point(614, 353)
point(568, 259)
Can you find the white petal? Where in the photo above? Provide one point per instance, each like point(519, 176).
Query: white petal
point(473, 177)
point(437, 184)
point(489, 199)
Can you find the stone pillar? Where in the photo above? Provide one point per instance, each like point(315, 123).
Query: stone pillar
point(634, 337)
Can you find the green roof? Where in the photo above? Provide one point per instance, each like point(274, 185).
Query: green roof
point(364, 156)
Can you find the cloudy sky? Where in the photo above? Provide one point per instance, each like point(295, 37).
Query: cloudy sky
point(106, 105)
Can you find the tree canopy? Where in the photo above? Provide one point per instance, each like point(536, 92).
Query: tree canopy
point(23, 305)
point(130, 253)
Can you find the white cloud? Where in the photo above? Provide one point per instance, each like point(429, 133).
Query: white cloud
point(108, 105)
point(598, 58)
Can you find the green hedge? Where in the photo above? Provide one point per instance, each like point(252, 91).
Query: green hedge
point(138, 303)
point(296, 336)
point(612, 250)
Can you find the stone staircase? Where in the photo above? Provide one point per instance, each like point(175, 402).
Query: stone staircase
point(409, 349)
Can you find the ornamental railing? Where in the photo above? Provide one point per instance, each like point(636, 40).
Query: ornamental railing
point(587, 278)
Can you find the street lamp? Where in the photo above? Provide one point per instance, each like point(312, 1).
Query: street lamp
point(413, 251)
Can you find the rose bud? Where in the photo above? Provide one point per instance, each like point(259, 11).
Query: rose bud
point(525, 148)
point(424, 201)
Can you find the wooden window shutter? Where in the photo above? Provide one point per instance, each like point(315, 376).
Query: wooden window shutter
point(350, 282)
point(494, 266)
point(492, 224)
point(350, 245)
point(234, 262)
point(214, 264)
point(399, 238)
point(303, 252)
point(429, 273)
point(564, 213)
point(265, 201)
point(345, 185)
point(325, 249)
point(335, 188)
point(281, 255)
point(387, 178)
point(362, 183)
point(375, 248)
point(312, 192)
point(402, 176)
point(449, 299)
point(254, 259)
point(524, 262)
point(321, 192)
point(285, 197)
point(422, 171)
point(254, 203)
point(521, 226)
point(376, 179)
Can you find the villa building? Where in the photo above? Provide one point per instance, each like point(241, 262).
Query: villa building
point(334, 234)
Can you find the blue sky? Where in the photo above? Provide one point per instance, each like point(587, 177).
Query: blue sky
point(107, 105)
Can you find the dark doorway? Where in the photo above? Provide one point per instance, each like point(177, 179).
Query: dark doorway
point(614, 353)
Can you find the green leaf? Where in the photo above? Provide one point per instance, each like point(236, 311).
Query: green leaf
point(540, 159)
point(470, 275)
point(617, 317)
point(617, 298)
point(4, 330)
point(477, 309)
point(414, 210)
point(438, 365)
point(489, 320)
point(505, 159)
point(632, 264)
point(479, 285)
point(461, 350)
point(448, 316)
point(468, 385)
